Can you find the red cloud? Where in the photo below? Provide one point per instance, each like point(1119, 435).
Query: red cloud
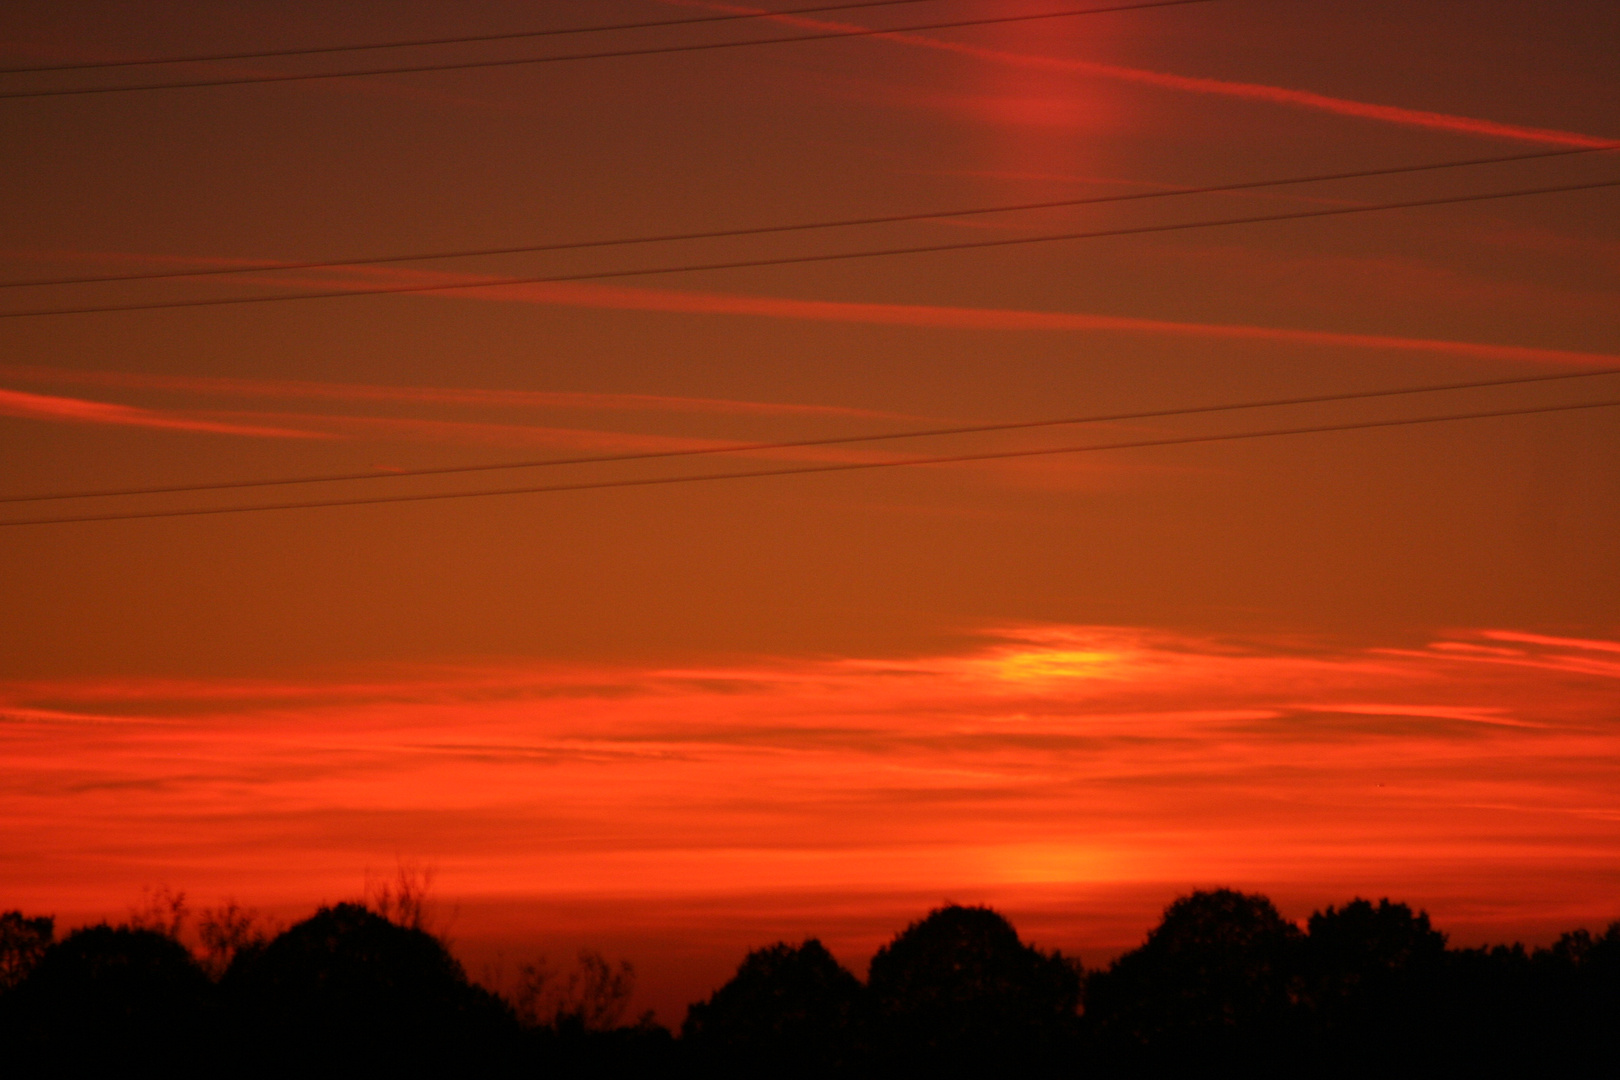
point(1077, 754)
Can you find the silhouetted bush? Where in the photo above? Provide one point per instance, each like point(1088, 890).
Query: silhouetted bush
point(574, 1022)
point(594, 996)
point(113, 1001)
point(350, 991)
point(1214, 984)
point(959, 994)
point(790, 1011)
point(225, 932)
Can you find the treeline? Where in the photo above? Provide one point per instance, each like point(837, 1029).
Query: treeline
point(1223, 985)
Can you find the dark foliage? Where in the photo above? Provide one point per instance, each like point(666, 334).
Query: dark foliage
point(568, 1048)
point(1578, 987)
point(23, 940)
point(1552, 1012)
point(958, 994)
point(1225, 984)
point(1214, 984)
point(352, 991)
point(1371, 980)
point(113, 999)
point(790, 1011)
point(1222, 986)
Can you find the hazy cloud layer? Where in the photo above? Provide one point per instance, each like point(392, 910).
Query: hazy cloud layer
point(1080, 756)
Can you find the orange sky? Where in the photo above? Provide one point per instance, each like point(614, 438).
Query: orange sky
point(681, 721)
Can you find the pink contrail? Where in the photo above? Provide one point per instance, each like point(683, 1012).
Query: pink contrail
point(638, 298)
point(1007, 319)
point(1275, 95)
point(676, 301)
point(633, 298)
point(224, 386)
point(79, 410)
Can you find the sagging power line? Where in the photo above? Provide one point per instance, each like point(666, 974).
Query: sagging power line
point(799, 260)
point(844, 440)
point(472, 39)
point(613, 54)
point(766, 230)
point(691, 478)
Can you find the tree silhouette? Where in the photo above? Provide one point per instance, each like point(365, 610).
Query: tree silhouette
point(1577, 986)
point(1223, 985)
point(403, 900)
point(790, 1011)
point(1371, 975)
point(225, 932)
point(161, 910)
point(354, 991)
point(23, 940)
point(574, 1021)
point(113, 999)
point(959, 994)
point(592, 997)
point(1214, 982)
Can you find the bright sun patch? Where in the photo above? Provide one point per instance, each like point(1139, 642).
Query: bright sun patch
point(1049, 664)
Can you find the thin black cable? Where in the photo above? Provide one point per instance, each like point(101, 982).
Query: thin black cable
point(655, 50)
point(689, 478)
point(475, 39)
point(794, 260)
point(741, 448)
point(762, 230)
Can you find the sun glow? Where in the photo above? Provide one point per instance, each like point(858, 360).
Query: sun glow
point(1044, 665)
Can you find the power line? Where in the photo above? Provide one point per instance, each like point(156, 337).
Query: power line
point(740, 448)
point(794, 260)
point(653, 50)
point(326, 50)
point(689, 478)
point(762, 230)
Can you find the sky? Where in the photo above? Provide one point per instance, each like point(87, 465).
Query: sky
point(674, 719)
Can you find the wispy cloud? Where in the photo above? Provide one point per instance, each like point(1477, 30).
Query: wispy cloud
point(1563, 643)
point(1104, 755)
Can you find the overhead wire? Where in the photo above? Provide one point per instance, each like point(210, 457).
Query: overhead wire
point(414, 43)
point(651, 50)
point(842, 440)
point(797, 260)
point(765, 230)
point(689, 478)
